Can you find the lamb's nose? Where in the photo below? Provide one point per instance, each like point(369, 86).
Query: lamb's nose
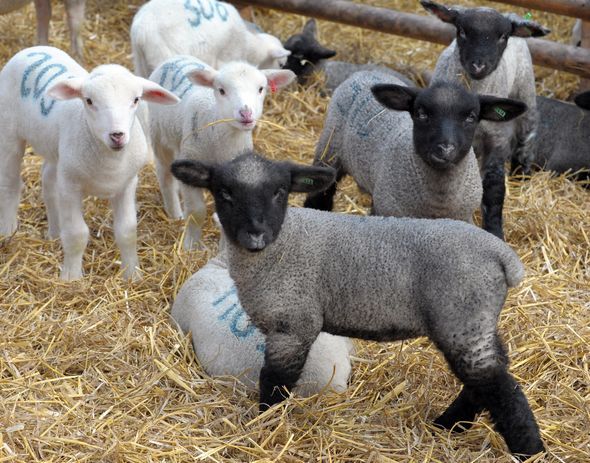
point(117, 137)
point(478, 66)
point(246, 113)
point(446, 148)
point(257, 240)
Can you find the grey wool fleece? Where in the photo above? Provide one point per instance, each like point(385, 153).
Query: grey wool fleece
point(382, 278)
point(375, 146)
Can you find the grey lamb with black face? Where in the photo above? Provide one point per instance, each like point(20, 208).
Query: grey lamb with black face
point(300, 271)
point(409, 148)
point(490, 56)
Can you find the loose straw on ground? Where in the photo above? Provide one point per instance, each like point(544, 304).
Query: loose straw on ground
point(93, 371)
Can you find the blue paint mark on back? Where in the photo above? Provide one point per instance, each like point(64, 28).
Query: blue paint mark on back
point(47, 71)
point(207, 10)
point(235, 316)
point(173, 76)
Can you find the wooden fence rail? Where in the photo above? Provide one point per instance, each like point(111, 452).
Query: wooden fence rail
point(544, 52)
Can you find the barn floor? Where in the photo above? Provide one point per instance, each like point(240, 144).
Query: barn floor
point(92, 371)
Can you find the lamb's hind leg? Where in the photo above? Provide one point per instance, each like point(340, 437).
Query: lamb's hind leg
point(524, 153)
point(481, 364)
point(494, 191)
point(284, 358)
point(10, 184)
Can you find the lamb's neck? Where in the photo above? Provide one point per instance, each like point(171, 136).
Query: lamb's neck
point(442, 187)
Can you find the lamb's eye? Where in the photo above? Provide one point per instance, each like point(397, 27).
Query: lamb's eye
point(221, 91)
point(88, 101)
point(422, 116)
point(136, 100)
point(471, 118)
point(260, 89)
point(503, 38)
point(462, 33)
point(225, 195)
point(280, 193)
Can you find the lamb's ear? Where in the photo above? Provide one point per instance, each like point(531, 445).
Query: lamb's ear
point(525, 28)
point(204, 77)
point(499, 109)
point(278, 78)
point(398, 97)
point(154, 93)
point(66, 89)
point(192, 173)
point(311, 28)
point(448, 15)
point(583, 100)
point(310, 179)
point(317, 52)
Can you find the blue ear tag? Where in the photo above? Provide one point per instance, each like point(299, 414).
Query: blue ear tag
point(307, 181)
point(500, 112)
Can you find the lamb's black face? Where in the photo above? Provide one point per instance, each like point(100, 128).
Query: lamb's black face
point(482, 37)
point(482, 34)
point(445, 119)
point(252, 212)
point(251, 193)
point(306, 51)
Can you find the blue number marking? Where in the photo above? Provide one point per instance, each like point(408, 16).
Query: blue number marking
point(209, 16)
point(49, 72)
point(196, 22)
point(233, 314)
point(200, 12)
point(179, 83)
point(221, 11)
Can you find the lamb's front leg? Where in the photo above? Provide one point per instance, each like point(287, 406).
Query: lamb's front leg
point(51, 199)
point(195, 213)
point(73, 230)
point(125, 225)
point(284, 358)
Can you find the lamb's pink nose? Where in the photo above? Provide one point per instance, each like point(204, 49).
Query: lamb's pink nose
point(246, 114)
point(117, 137)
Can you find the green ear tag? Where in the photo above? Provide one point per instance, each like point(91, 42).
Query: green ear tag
point(500, 112)
point(307, 181)
point(528, 16)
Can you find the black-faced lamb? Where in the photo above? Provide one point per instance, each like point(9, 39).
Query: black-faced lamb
point(90, 143)
point(309, 56)
point(489, 56)
point(299, 271)
point(415, 161)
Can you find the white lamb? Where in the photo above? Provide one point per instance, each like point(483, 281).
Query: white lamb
point(209, 30)
point(90, 145)
point(192, 129)
point(227, 343)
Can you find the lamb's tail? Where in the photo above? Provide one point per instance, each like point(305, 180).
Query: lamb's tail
point(513, 267)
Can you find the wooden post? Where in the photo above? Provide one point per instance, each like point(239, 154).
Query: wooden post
point(585, 83)
point(544, 52)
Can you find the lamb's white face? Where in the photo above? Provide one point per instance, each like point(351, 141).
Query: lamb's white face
point(240, 89)
point(111, 95)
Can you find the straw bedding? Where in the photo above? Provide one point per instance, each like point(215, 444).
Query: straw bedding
point(93, 371)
